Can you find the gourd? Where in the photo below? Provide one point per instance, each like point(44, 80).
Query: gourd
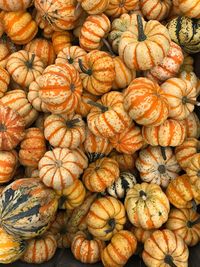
point(8, 165)
point(4, 81)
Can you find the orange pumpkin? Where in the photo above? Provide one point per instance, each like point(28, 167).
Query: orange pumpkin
point(189, 8)
point(108, 117)
point(59, 168)
point(84, 107)
point(185, 223)
point(60, 88)
point(14, 5)
point(47, 29)
point(94, 7)
point(6, 48)
point(11, 128)
point(79, 23)
point(141, 234)
point(192, 124)
point(4, 81)
point(68, 132)
point(60, 40)
point(24, 67)
point(126, 162)
point(118, 7)
point(189, 76)
point(145, 102)
point(122, 246)
point(19, 26)
point(42, 49)
point(97, 72)
point(193, 172)
point(87, 249)
point(100, 174)
point(94, 30)
point(8, 165)
point(106, 217)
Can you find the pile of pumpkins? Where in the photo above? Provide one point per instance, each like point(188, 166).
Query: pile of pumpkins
point(99, 147)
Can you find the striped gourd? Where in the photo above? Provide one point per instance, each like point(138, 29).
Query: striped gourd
point(8, 165)
point(14, 5)
point(4, 81)
point(118, 7)
point(60, 40)
point(94, 7)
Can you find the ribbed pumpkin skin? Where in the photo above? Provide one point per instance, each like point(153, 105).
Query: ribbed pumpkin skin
point(40, 250)
point(83, 107)
point(139, 201)
point(94, 7)
point(42, 49)
point(86, 250)
point(122, 246)
point(145, 103)
point(60, 88)
point(126, 161)
point(12, 127)
point(82, 158)
point(179, 222)
point(162, 243)
point(8, 165)
point(141, 234)
point(193, 172)
point(4, 81)
point(31, 208)
point(6, 48)
point(118, 7)
point(189, 8)
point(170, 133)
point(60, 40)
point(11, 247)
point(154, 169)
point(59, 168)
point(94, 29)
point(192, 123)
point(14, 5)
point(188, 63)
point(19, 26)
point(189, 76)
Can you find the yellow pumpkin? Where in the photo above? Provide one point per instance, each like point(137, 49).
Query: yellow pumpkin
point(126, 161)
point(141, 234)
point(60, 40)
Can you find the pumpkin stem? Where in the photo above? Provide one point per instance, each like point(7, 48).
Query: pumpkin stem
point(70, 59)
point(98, 105)
point(198, 173)
point(62, 202)
point(163, 152)
point(185, 100)
point(2, 128)
point(89, 236)
point(194, 205)
point(169, 260)
point(141, 36)
point(106, 43)
point(83, 68)
point(190, 224)
point(72, 123)
point(143, 195)
point(29, 63)
point(112, 224)
point(162, 168)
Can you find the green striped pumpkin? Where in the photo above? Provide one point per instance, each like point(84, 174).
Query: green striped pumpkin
point(185, 32)
point(27, 207)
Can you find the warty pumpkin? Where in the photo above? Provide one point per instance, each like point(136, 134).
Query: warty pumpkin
point(185, 223)
point(60, 40)
point(147, 206)
point(165, 248)
point(122, 246)
point(118, 7)
point(14, 5)
point(145, 102)
point(94, 7)
point(4, 81)
point(84, 107)
point(8, 165)
point(126, 161)
point(27, 207)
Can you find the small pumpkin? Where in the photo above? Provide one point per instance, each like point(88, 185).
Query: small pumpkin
point(189, 76)
point(39, 123)
point(31, 172)
point(118, 7)
point(82, 158)
point(126, 162)
point(14, 5)
point(6, 48)
point(12, 127)
point(147, 206)
point(189, 8)
point(145, 102)
point(141, 234)
point(120, 187)
point(31, 208)
point(47, 29)
point(95, 7)
point(40, 249)
point(4, 81)
point(122, 246)
point(192, 124)
point(106, 217)
point(188, 63)
point(193, 172)
point(185, 223)
point(12, 247)
point(164, 247)
point(60, 40)
point(8, 165)
point(84, 107)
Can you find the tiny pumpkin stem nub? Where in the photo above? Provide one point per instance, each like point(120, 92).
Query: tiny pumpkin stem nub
point(62, 201)
point(163, 152)
point(2, 128)
point(185, 100)
point(162, 168)
point(70, 60)
point(194, 205)
point(72, 123)
point(108, 46)
point(98, 105)
point(143, 195)
point(190, 224)
point(29, 63)
point(112, 224)
point(169, 260)
point(141, 36)
point(83, 68)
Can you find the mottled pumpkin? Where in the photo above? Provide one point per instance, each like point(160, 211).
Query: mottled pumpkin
point(4, 81)
point(118, 7)
point(8, 165)
point(47, 29)
point(14, 5)
point(192, 124)
point(60, 40)
point(126, 161)
point(84, 107)
point(189, 76)
point(94, 7)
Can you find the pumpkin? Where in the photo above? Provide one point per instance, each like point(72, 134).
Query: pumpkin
point(141, 234)
point(86, 248)
point(59, 230)
point(14, 5)
point(32, 148)
point(122, 246)
point(118, 7)
point(95, 28)
point(188, 63)
point(4, 81)
point(6, 48)
point(11, 128)
point(42, 49)
point(170, 133)
point(153, 168)
point(60, 40)
point(19, 26)
point(185, 223)
point(126, 162)
point(147, 206)
point(72, 196)
point(82, 158)
point(144, 45)
point(95, 7)
point(60, 88)
point(31, 208)
point(120, 187)
point(193, 172)
point(68, 132)
point(17, 100)
point(39, 123)
point(84, 107)
point(106, 217)
point(165, 248)
point(8, 165)
point(128, 141)
point(97, 72)
point(155, 9)
point(124, 75)
point(24, 67)
point(185, 32)
point(181, 96)
point(108, 117)
point(169, 67)
point(12, 247)
point(189, 76)
point(60, 15)
point(192, 124)
point(186, 151)
point(47, 29)
point(59, 168)
point(40, 249)
point(1, 29)
point(79, 23)
point(145, 102)
point(32, 172)
point(189, 8)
